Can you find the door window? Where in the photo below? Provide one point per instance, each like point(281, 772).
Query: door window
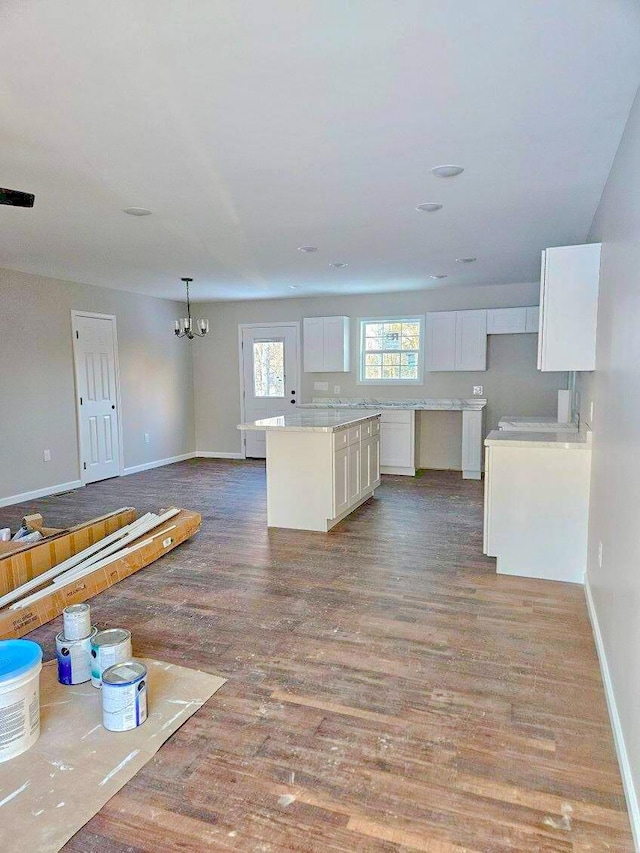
point(268, 368)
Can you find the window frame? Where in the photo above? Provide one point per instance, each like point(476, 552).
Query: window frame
point(400, 318)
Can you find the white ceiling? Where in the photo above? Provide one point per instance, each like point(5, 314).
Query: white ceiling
point(253, 127)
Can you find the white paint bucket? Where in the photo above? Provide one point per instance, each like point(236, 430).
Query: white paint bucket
point(74, 659)
point(20, 665)
point(77, 621)
point(108, 648)
point(124, 696)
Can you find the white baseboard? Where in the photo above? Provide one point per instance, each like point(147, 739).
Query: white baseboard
point(618, 735)
point(217, 454)
point(40, 493)
point(158, 463)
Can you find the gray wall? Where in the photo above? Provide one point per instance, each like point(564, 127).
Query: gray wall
point(37, 409)
point(615, 391)
point(512, 383)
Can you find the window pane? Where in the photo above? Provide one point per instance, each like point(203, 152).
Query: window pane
point(391, 358)
point(373, 330)
point(268, 368)
point(390, 340)
point(373, 359)
point(409, 372)
point(391, 372)
point(410, 341)
point(372, 372)
point(409, 358)
point(374, 343)
point(411, 328)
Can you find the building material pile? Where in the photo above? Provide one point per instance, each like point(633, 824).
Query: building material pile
point(37, 583)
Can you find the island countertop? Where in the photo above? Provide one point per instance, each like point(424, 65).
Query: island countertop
point(443, 404)
point(311, 420)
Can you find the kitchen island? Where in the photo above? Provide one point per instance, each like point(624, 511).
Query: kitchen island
point(321, 465)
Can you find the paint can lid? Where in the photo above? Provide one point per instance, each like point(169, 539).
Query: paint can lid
point(124, 673)
point(18, 657)
point(111, 637)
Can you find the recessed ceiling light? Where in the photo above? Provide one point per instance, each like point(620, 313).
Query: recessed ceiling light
point(293, 286)
point(437, 276)
point(307, 249)
point(429, 206)
point(447, 171)
point(338, 265)
point(137, 211)
point(465, 260)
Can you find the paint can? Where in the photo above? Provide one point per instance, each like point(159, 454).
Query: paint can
point(20, 665)
point(108, 648)
point(74, 658)
point(124, 696)
point(77, 621)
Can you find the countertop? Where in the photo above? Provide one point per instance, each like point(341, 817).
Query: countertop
point(313, 420)
point(559, 440)
point(438, 405)
point(536, 425)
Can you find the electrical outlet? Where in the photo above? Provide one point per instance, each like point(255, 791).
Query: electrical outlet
point(600, 554)
point(320, 386)
point(336, 389)
point(47, 455)
point(477, 390)
point(591, 414)
point(146, 438)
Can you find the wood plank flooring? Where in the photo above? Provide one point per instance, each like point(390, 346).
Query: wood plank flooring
point(387, 690)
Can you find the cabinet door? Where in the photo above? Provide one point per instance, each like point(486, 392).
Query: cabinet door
point(365, 465)
point(354, 472)
point(313, 344)
point(336, 344)
point(569, 308)
point(340, 481)
point(471, 340)
point(533, 319)
point(440, 341)
point(396, 448)
point(374, 461)
point(506, 321)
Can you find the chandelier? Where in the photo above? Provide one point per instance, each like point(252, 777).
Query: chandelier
point(185, 325)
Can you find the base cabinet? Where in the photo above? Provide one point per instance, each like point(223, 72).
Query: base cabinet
point(397, 442)
point(340, 481)
point(370, 464)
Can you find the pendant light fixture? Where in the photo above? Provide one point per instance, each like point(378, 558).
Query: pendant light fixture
point(184, 327)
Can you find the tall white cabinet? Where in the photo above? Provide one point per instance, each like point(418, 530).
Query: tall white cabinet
point(326, 344)
point(569, 308)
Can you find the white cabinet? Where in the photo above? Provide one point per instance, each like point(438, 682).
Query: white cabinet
point(370, 464)
point(569, 308)
point(340, 481)
point(326, 344)
point(440, 341)
point(471, 340)
point(532, 319)
point(456, 340)
point(397, 442)
point(506, 321)
point(353, 474)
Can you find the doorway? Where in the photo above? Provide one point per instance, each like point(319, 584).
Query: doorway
point(269, 376)
point(95, 354)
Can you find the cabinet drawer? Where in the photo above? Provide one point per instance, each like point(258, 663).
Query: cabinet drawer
point(354, 434)
point(399, 416)
point(367, 429)
point(341, 439)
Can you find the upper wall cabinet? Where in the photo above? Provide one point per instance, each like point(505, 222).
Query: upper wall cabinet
point(569, 308)
point(326, 344)
point(456, 340)
point(512, 321)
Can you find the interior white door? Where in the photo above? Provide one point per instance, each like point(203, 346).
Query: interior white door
point(269, 377)
point(96, 376)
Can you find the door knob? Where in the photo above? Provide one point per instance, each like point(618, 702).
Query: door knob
point(113, 407)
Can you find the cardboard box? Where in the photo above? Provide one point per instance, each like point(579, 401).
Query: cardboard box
point(16, 623)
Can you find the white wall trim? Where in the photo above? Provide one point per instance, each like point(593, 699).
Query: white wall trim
point(218, 454)
point(158, 463)
point(618, 735)
point(40, 493)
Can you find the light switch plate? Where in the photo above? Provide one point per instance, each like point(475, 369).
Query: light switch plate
point(336, 389)
point(47, 455)
point(320, 386)
point(477, 390)
point(146, 438)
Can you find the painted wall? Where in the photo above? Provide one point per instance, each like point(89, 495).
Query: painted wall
point(614, 388)
point(512, 383)
point(37, 392)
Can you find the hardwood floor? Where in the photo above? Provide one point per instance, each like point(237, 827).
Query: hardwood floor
point(387, 690)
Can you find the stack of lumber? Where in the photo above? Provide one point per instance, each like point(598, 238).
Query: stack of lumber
point(123, 542)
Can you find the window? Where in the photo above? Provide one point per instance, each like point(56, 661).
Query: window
point(268, 368)
point(391, 350)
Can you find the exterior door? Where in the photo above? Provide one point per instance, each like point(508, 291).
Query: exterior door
point(269, 377)
point(94, 342)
